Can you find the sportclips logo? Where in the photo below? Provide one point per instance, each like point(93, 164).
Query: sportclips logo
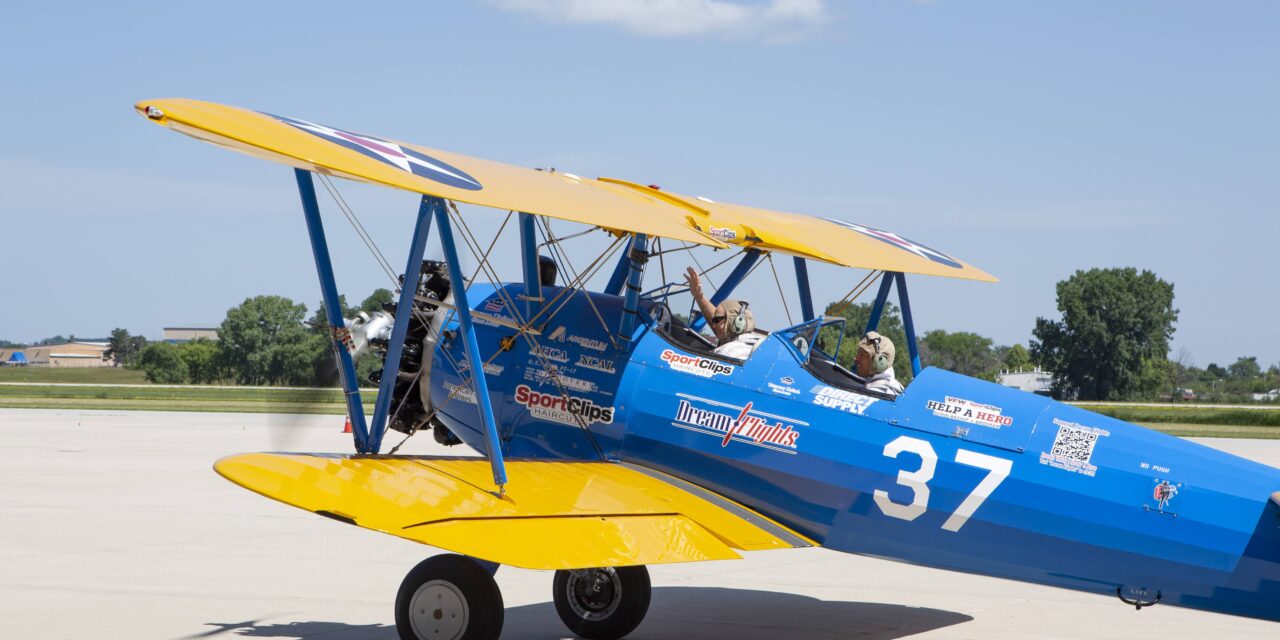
point(697, 365)
point(558, 408)
point(753, 429)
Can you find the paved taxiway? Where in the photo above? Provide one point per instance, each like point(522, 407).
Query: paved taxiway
point(113, 525)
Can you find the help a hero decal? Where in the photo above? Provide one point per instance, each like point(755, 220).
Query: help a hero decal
point(696, 365)
point(731, 423)
point(570, 410)
point(403, 158)
point(983, 415)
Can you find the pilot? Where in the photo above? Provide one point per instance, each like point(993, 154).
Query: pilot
point(732, 321)
point(874, 362)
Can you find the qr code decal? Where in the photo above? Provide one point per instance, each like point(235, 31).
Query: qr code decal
point(1075, 444)
point(1073, 448)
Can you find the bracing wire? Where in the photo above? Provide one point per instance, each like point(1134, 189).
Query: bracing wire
point(361, 232)
point(781, 295)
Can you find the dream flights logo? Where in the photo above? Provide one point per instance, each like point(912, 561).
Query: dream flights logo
point(405, 159)
point(751, 428)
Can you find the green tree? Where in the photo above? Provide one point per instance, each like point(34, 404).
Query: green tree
point(1245, 368)
point(163, 364)
point(203, 359)
point(377, 300)
point(856, 316)
point(124, 349)
point(263, 342)
point(319, 321)
point(962, 352)
point(1112, 342)
point(1016, 358)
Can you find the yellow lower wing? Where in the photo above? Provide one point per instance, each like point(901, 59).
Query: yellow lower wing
point(555, 515)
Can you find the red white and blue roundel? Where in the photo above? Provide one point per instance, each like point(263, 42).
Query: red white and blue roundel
point(419, 164)
point(900, 242)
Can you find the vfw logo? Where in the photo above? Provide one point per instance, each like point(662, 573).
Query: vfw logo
point(696, 365)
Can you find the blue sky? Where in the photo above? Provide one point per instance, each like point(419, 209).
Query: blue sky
point(1031, 139)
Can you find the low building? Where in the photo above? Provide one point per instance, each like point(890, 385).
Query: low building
point(187, 334)
point(1034, 381)
point(69, 355)
point(12, 357)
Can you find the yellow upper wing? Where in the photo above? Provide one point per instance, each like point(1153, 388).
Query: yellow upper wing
point(835, 241)
point(316, 147)
point(613, 204)
point(556, 515)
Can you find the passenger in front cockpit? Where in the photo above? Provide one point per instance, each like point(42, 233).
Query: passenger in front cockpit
point(874, 362)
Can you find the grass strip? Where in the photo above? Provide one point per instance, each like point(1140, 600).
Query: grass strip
point(1190, 415)
point(1214, 430)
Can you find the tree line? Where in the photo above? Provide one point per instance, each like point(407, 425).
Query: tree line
point(264, 341)
point(1110, 342)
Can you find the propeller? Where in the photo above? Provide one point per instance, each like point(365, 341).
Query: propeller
point(370, 332)
point(287, 410)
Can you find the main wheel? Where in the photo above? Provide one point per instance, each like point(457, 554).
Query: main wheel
point(449, 597)
point(602, 604)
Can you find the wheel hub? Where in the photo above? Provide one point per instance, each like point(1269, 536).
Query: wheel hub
point(438, 611)
point(594, 594)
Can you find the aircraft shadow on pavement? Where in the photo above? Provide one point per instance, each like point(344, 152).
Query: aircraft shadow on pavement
point(675, 613)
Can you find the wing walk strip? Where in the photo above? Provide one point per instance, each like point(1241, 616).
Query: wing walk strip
point(566, 516)
point(771, 527)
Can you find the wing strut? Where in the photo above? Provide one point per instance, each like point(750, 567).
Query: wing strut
point(908, 322)
point(400, 328)
point(802, 284)
point(637, 255)
point(332, 308)
point(458, 286)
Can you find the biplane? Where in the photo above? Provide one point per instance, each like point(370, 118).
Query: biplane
point(614, 437)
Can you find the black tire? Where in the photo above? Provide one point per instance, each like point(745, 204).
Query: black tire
point(602, 604)
point(442, 589)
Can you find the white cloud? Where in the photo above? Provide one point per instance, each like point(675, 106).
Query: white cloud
point(771, 20)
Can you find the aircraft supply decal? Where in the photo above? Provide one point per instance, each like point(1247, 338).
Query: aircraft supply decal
point(403, 158)
point(983, 415)
point(563, 409)
point(846, 401)
point(696, 365)
point(743, 424)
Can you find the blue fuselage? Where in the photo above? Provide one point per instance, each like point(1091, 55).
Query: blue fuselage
point(955, 473)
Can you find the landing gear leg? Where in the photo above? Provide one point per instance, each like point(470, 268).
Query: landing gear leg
point(602, 604)
point(449, 597)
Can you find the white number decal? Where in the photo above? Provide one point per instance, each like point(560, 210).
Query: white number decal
point(998, 469)
point(915, 480)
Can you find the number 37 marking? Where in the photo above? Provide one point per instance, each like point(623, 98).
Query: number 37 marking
point(918, 481)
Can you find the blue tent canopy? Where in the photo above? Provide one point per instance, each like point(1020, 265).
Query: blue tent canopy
point(18, 357)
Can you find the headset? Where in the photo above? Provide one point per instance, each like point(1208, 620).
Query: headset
point(880, 362)
point(738, 323)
